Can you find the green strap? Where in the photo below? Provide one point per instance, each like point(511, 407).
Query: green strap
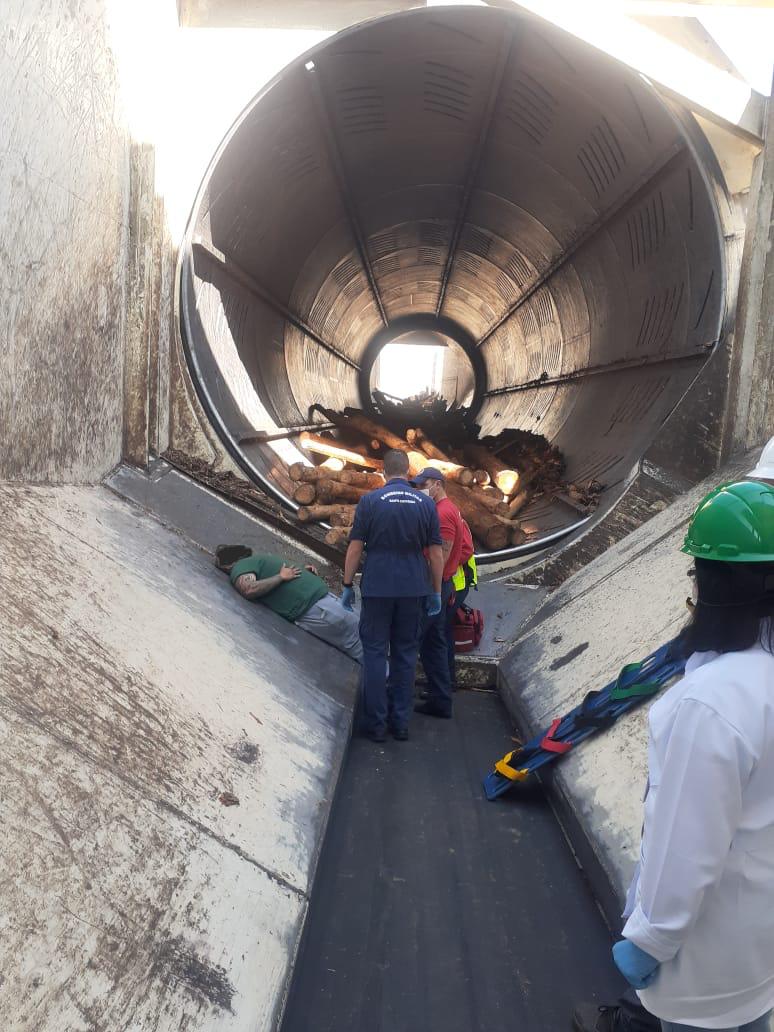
point(632, 690)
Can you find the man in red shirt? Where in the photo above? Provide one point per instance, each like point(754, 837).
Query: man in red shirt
point(434, 651)
point(467, 575)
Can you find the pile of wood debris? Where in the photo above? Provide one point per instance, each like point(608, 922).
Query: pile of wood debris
point(491, 481)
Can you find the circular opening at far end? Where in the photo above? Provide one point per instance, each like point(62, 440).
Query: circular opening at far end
point(425, 369)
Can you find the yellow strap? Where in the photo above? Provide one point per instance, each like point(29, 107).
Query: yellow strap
point(474, 568)
point(459, 579)
point(508, 772)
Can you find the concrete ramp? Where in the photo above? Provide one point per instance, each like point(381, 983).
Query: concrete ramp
point(137, 688)
point(615, 611)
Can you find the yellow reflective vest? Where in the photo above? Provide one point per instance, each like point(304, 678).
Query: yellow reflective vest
point(466, 574)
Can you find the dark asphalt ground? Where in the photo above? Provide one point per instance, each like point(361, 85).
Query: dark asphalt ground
point(437, 911)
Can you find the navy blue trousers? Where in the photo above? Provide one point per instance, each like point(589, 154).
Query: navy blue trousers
point(434, 653)
point(389, 626)
point(451, 612)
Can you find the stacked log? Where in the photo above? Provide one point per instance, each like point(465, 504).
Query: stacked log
point(345, 518)
point(338, 537)
point(491, 480)
point(320, 513)
point(321, 484)
point(314, 474)
point(325, 446)
point(365, 426)
point(418, 439)
point(518, 501)
point(503, 477)
point(490, 499)
point(304, 494)
point(483, 524)
point(333, 491)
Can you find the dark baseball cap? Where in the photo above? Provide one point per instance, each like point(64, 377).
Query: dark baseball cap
point(428, 473)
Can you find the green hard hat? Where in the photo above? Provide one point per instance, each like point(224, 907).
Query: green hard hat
point(735, 524)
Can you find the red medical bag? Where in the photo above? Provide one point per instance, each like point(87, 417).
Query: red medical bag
point(468, 628)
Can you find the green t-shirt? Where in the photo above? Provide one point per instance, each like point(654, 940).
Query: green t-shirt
point(292, 598)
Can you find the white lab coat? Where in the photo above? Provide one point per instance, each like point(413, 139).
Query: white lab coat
point(702, 902)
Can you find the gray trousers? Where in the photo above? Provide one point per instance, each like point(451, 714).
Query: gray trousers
point(331, 622)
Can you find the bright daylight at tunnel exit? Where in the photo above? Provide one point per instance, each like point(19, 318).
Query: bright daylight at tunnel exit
point(388, 515)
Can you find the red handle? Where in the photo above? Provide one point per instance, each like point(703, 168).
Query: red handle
point(550, 745)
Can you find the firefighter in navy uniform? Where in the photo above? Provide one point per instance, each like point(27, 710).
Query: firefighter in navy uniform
point(395, 525)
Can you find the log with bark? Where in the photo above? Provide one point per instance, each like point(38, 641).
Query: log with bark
point(518, 501)
point(314, 474)
point(483, 524)
point(490, 498)
point(318, 513)
point(451, 471)
point(503, 477)
point(516, 535)
point(304, 494)
point(338, 537)
point(343, 518)
point(332, 491)
point(324, 446)
point(365, 426)
point(481, 498)
point(486, 528)
point(419, 440)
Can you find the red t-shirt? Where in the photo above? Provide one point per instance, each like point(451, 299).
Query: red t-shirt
point(467, 543)
point(452, 529)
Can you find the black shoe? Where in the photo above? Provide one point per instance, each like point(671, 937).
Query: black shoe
point(377, 736)
point(430, 709)
point(591, 1017)
point(400, 734)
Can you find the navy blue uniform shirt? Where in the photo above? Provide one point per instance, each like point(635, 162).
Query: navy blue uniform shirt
point(396, 523)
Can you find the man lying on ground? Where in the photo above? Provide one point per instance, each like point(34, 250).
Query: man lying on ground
point(300, 596)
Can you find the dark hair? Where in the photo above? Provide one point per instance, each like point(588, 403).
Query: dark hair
point(396, 464)
point(227, 555)
point(735, 609)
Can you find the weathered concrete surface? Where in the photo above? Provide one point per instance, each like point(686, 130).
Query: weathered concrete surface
point(206, 518)
point(615, 611)
point(135, 688)
point(751, 413)
point(63, 203)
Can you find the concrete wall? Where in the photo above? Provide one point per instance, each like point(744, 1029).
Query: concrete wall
point(63, 218)
point(136, 687)
point(751, 406)
point(617, 610)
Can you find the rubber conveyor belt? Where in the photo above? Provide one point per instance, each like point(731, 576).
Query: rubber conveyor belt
point(434, 911)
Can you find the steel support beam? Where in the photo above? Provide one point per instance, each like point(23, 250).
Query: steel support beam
point(240, 276)
point(611, 367)
point(471, 178)
point(591, 230)
point(345, 191)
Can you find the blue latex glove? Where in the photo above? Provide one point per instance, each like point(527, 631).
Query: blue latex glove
point(638, 967)
point(433, 604)
point(348, 598)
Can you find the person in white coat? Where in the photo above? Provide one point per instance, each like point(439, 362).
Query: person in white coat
point(699, 936)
